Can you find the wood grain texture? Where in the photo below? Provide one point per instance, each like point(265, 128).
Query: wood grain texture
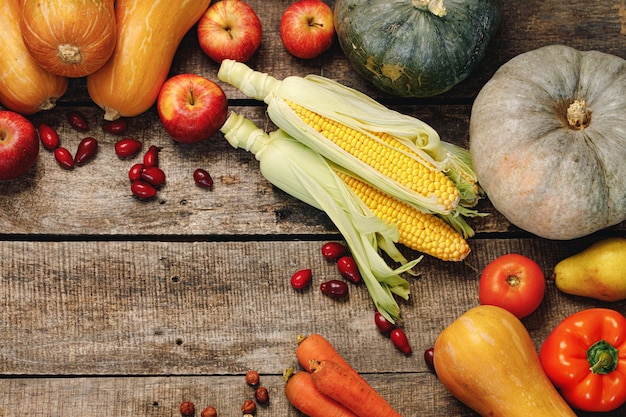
point(114, 306)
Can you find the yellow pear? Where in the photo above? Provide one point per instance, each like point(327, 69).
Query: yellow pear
point(597, 272)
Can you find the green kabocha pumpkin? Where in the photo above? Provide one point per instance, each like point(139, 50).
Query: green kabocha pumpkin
point(548, 141)
point(415, 48)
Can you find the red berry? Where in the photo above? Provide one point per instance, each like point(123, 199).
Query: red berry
point(116, 126)
point(153, 175)
point(429, 358)
point(64, 158)
point(151, 157)
point(400, 341)
point(202, 178)
point(142, 189)
point(134, 173)
point(87, 149)
point(49, 137)
point(333, 250)
point(301, 279)
point(334, 288)
point(78, 121)
point(127, 147)
point(384, 325)
point(348, 269)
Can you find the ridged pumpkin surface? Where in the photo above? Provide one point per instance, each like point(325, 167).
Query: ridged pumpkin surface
point(407, 50)
point(71, 38)
point(548, 141)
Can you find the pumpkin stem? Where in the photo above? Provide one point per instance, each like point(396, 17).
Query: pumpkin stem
point(69, 54)
point(436, 7)
point(578, 116)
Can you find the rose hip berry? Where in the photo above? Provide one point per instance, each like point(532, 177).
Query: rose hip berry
point(151, 157)
point(333, 250)
point(202, 178)
point(400, 341)
point(262, 395)
point(384, 325)
point(142, 189)
point(334, 289)
point(64, 158)
point(127, 147)
point(87, 149)
point(49, 137)
point(301, 279)
point(187, 408)
point(153, 175)
point(429, 358)
point(78, 121)
point(348, 269)
point(116, 127)
point(209, 411)
point(134, 173)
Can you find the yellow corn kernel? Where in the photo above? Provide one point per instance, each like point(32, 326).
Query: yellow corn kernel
point(386, 155)
point(419, 231)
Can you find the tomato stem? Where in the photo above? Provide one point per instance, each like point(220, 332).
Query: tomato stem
point(513, 280)
point(602, 357)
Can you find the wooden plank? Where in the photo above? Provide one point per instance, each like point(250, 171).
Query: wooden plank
point(95, 199)
point(411, 393)
point(114, 308)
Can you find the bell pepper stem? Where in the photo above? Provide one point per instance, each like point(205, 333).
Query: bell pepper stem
point(602, 357)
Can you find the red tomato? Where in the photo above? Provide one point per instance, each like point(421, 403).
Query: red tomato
point(513, 282)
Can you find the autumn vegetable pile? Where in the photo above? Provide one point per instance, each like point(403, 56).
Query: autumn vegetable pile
point(551, 162)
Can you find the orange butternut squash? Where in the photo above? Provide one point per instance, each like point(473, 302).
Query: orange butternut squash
point(148, 35)
point(25, 87)
point(71, 38)
point(487, 360)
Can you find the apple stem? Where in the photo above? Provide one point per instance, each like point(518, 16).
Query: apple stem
point(191, 99)
point(312, 22)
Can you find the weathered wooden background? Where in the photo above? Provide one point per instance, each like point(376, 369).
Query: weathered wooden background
point(114, 306)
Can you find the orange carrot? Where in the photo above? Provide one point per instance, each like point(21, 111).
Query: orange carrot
point(303, 395)
point(316, 347)
point(356, 395)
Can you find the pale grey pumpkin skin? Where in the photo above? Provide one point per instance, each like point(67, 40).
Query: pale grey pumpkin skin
point(406, 51)
point(543, 175)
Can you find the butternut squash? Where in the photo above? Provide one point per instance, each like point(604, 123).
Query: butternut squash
point(25, 87)
point(148, 35)
point(487, 360)
point(69, 38)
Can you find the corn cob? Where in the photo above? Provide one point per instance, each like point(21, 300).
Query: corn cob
point(419, 231)
point(306, 175)
point(413, 139)
point(387, 155)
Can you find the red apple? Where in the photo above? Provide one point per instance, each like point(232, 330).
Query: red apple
point(19, 145)
point(191, 107)
point(307, 28)
point(229, 29)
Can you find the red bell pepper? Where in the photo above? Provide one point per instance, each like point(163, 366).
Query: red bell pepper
point(585, 358)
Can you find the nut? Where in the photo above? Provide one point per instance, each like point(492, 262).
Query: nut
point(187, 408)
point(209, 412)
point(262, 395)
point(248, 407)
point(252, 378)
